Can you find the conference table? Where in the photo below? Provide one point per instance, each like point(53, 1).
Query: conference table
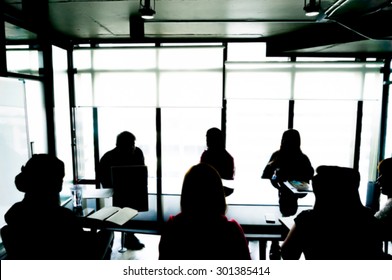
point(259, 222)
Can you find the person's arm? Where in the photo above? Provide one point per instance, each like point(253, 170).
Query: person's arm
point(308, 169)
point(139, 156)
point(165, 246)
point(269, 169)
point(291, 249)
point(104, 173)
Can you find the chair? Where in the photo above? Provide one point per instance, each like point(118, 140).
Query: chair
point(8, 244)
point(130, 189)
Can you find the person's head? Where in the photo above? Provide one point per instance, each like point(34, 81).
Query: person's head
point(42, 174)
point(384, 179)
point(214, 138)
point(291, 140)
point(126, 142)
point(335, 186)
point(202, 191)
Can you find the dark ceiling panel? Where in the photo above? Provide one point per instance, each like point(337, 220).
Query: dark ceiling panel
point(280, 23)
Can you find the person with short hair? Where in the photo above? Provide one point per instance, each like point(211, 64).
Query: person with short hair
point(218, 157)
point(38, 227)
point(338, 227)
point(125, 153)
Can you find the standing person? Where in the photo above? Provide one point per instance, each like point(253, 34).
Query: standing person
point(287, 164)
point(338, 227)
point(384, 181)
point(38, 227)
point(125, 153)
point(201, 231)
point(218, 157)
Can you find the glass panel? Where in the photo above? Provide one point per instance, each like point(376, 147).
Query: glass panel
point(321, 84)
point(183, 141)
point(190, 58)
point(125, 89)
point(62, 111)
point(370, 136)
point(249, 52)
point(23, 61)
point(373, 82)
point(327, 130)
point(124, 59)
point(14, 141)
point(388, 140)
point(85, 142)
point(140, 122)
point(36, 116)
point(260, 81)
point(84, 89)
point(254, 129)
point(82, 59)
point(190, 89)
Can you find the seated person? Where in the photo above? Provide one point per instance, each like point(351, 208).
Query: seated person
point(125, 153)
point(201, 231)
point(338, 227)
point(218, 157)
point(384, 181)
point(39, 228)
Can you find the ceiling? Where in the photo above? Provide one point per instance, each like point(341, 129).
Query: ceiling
point(354, 27)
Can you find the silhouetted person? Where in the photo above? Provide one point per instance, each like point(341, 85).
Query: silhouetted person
point(384, 181)
point(201, 230)
point(287, 164)
point(338, 227)
point(124, 154)
point(39, 228)
point(217, 156)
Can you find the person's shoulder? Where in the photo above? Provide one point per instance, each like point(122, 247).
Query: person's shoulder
point(107, 155)
point(228, 154)
point(305, 215)
point(14, 211)
point(386, 210)
point(232, 223)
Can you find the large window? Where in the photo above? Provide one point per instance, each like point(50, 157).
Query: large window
point(326, 98)
point(122, 88)
point(170, 95)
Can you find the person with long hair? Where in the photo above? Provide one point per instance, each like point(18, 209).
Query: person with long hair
point(384, 181)
point(201, 231)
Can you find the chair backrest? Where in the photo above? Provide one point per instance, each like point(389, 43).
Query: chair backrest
point(130, 186)
point(5, 236)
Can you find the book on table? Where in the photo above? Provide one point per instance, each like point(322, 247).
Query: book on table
point(114, 214)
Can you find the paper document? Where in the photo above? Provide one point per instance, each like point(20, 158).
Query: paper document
point(114, 214)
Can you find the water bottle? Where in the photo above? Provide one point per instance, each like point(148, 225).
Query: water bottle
point(76, 192)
